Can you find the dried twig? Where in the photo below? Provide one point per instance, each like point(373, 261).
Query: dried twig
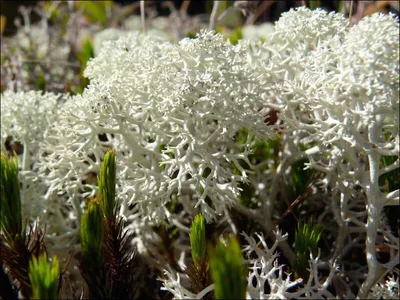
point(213, 17)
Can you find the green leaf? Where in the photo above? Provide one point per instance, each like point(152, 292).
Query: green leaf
point(83, 56)
point(44, 277)
point(223, 5)
point(236, 36)
point(241, 136)
point(50, 8)
point(92, 232)
point(95, 11)
point(191, 35)
point(390, 180)
point(198, 240)
point(40, 81)
point(340, 6)
point(301, 177)
point(86, 53)
point(11, 218)
point(227, 270)
point(107, 181)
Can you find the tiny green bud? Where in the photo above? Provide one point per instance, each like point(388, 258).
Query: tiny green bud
point(198, 240)
point(227, 271)
point(44, 277)
point(92, 231)
point(107, 182)
point(11, 218)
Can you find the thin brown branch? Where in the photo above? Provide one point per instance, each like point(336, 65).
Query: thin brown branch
point(184, 6)
point(261, 9)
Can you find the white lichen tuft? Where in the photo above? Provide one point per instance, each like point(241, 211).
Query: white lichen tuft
point(171, 113)
point(387, 290)
point(25, 116)
point(263, 31)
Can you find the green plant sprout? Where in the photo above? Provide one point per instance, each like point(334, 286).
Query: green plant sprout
point(227, 270)
point(91, 263)
point(198, 272)
point(44, 277)
point(11, 218)
point(306, 239)
point(198, 240)
point(106, 261)
point(92, 231)
point(20, 245)
point(107, 181)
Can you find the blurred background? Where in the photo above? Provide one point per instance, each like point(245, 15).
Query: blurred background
point(266, 11)
point(45, 45)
